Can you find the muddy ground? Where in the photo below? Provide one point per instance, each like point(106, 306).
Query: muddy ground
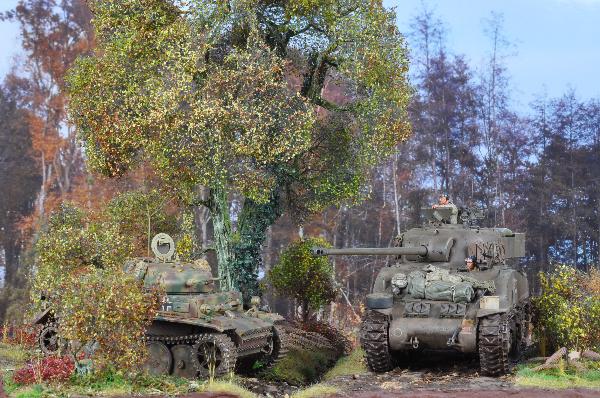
point(431, 376)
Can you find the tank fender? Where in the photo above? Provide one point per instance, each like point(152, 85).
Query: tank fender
point(42, 317)
point(195, 322)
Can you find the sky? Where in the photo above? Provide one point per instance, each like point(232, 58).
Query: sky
point(556, 42)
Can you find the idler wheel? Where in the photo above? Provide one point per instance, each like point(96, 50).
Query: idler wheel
point(214, 355)
point(278, 349)
point(159, 360)
point(50, 341)
point(183, 365)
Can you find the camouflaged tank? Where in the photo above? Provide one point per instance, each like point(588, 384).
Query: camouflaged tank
point(429, 300)
point(199, 329)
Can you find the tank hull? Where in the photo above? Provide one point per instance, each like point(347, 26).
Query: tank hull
point(409, 334)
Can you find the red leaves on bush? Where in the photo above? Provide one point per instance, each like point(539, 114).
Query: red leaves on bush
point(25, 336)
point(48, 369)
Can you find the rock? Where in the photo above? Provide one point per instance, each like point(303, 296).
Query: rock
point(354, 376)
point(574, 355)
point(270, 389)
point(592, 355)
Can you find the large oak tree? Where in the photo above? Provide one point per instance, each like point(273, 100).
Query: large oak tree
point(287, 103)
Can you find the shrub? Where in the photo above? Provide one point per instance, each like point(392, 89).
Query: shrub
point(302, 276)
point(141, 215)
point(47, 369)
point(70, 243)
point(23, 335)
point(300, 367)
point(568, 309)
point(110, 308)
point(80, 260)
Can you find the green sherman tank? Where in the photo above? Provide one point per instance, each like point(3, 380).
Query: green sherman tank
point(429, 300)
point(199, 330)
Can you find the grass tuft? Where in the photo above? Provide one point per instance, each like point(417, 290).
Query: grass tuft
point(347, 366)
point(558, 378)
point(299, 368)
point(228, 387)
point(35, 391)
point(317, 390)
point(12, 356)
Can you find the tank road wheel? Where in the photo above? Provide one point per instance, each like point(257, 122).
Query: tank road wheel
point(183, 365)
point(50, 341)
point(495, 337)
point(159, 360)
point(214, 355)
point(374, 340)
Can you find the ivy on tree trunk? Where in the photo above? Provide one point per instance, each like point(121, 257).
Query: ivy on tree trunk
point(253, 223)
point(219, 207)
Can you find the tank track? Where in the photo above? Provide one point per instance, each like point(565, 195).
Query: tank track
point(189, 339)
point(282, 350)
point(229, 354)
point(374, 340)
point(494, 332)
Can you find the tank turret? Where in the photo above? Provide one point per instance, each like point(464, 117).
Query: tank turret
point(453, 286)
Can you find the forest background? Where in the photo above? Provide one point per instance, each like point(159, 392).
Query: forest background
point(535, 169)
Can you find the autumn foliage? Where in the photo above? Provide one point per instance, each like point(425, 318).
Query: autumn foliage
point(52, 368)
point(23, 335)
point(110, 308)
point(80, 259)
point(569, 308)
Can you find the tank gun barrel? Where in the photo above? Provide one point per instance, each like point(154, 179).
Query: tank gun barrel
point(368, 251)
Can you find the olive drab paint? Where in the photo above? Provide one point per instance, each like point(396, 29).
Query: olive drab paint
point(428, 300)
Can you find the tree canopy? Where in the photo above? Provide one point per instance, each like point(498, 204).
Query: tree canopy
point(287, 103)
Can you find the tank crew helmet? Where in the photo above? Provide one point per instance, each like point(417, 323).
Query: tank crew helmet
point(471, 262)
point(444, 198)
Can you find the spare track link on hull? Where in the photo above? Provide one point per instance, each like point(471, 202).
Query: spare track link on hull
point(494, 344)
point(374, 340)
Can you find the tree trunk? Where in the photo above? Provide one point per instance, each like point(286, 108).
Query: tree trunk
point(305, 311)
point(11, 260)
point(253, 223)
point(219, 207)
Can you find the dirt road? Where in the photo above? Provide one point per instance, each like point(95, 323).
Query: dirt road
point(432, 376)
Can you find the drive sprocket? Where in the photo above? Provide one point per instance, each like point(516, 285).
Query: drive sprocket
point(49, 339)
point(374, 341)
point(214, 355)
